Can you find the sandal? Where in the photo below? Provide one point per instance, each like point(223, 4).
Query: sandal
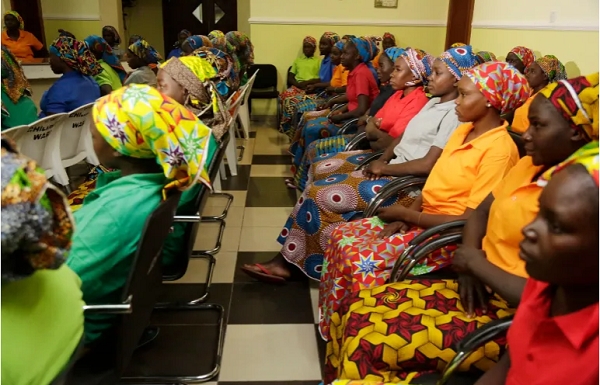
point(264, 275)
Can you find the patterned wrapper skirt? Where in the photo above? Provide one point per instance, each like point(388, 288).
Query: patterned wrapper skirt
point(76, 197)
point(313, 130)
point(288, 100)
point(356, 258)
point(396, 332)
point(323, 206)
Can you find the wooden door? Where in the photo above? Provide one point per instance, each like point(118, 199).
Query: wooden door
point(460, 18)
point(31, 12)
point(198, 16)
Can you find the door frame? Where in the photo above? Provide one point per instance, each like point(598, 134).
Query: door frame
point(31, 12)
point(459, 23)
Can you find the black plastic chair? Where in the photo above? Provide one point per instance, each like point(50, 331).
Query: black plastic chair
point(266, 84)
point(105, 366)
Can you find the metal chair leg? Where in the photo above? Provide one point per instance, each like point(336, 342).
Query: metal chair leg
point(223, 215)
point(217, 247)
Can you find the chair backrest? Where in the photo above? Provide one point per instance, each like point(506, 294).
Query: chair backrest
point(39, 140)
point(145, 280)
point(73, 128)
point(249, 86)
point(234, 108)
point(287, 77)
point(267, 77)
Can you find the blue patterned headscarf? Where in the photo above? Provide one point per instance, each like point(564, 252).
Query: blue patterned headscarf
point(98, 44)
point(459, 59)
point(394, 53)
point(340, 44)
point(367, 49)
point(420, 64)
point(198, 41)
point(146, 52)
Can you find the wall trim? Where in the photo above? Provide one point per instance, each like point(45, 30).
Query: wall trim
point(72, 17)
point(533, 26)
point(324, 21)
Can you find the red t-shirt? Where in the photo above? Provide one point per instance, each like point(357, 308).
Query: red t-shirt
point(552, 350)
point(399, 110)
point(360, 82)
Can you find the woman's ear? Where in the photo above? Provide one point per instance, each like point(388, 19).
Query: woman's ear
point(577, 135)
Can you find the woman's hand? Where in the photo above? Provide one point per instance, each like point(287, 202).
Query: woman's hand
point(392, 213)
point(375, 169)
point(362, 120)
point(473, 295)
point(393, 228)
point(464, 257)
point(335, 116)
point(303, 85)
point(311, 88)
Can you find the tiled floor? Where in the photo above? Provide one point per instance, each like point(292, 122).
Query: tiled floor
point(271, 336)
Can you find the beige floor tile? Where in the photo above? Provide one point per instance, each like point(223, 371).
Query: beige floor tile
point(234, 218)
point(207, 237)
point(248, 152)
point(270, 353)
point(266, 216)
point(270, 170)
point(260, 239)
point(223, 273)
point(239, 199)
point(271, 142)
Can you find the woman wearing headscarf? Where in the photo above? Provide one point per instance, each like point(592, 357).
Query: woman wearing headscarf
point(21, 43)
point(521, 58)
point(76, 87)
point(42, 308)
point(140, 57)
point(113, 74)
point(157, 146)
point(545, 70)
point(219, 41)
point(229, 81)
point(347, 193)
point(244, 51)
point(176, 51)
point(477, 156)
point(192, 43)
point(17, 106)
point(112, 37)
point(486, 56)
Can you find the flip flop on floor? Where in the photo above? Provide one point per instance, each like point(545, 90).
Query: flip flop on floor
point(264, 275)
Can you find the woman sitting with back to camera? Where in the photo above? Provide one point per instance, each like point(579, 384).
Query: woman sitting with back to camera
point(113, 74)
point(18, 108)
point(139, 57)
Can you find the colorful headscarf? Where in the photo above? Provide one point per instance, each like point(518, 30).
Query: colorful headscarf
point(135, 38)
point(14, 82)
point(577, 100)
point(459, 59)
point(19, 18)
point(183, 32)
point(140, 122)
point(505, 88)
point(332, 37)
point(374, 44)
point(243, 46)
point(76, 54)
point(36, 221)
point(98, 44)
point(146, 52)
point(224, 65)
point(587, 156)
point(198, 41)
point(394, 53)
point(340, 44)
point(486, 56)
point(388, 35)
point(113, 30)
point(62, 32)
point(310, 40)
point(219, 41)
point(457, 45)
point(420, 64)
point(524, 54)
point(366, 48)
point(552, 67)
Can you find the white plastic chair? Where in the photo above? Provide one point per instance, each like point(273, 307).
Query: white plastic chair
point(76, 139)
point(40, 142)
point(231, 151)
point(244, 109)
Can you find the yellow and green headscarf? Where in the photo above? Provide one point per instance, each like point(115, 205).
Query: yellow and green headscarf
point(140, 122)
point(587, 156)
point(19, 18)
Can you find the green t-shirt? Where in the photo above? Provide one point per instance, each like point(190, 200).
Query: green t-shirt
point(108, 77)
point(42, 324)
point(108, 228)
point(306, 68)
point(23, 112)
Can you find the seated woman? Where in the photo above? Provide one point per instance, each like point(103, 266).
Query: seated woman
point(42, 309)
point(556, 324)
point(192, 43)
point(113, 74)
point(361, 91)
point(520, 58)
point(411, 70)
point(476, 158)
point(244, 51)
point(135, 130)
point(17, 106)
point(176, 51)
point(228, 80)
point(76, 87)
point(486, 56)
point(219, 41)
point(337, 200)
point(139, 57)
point(306, 70)
point(24, 45)
point(112, 37)
point(387, 41)
point(545, 70)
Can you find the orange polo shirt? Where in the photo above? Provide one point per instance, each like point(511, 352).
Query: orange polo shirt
point(520, 122)
point(466, 173)
point(515, 206)
point(340, 77)
point(24, 46)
